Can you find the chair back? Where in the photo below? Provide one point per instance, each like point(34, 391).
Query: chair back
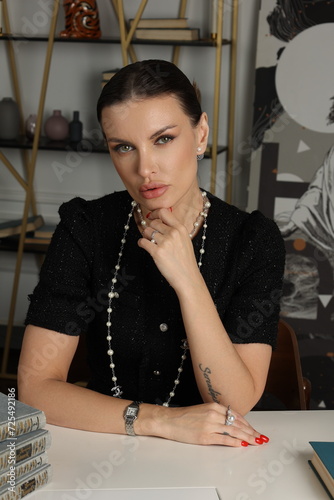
point(285, 379)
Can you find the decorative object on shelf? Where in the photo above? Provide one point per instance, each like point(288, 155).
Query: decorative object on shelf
point(213, 19)
point(81, 19)
point(30, 126)
point(56, 126)
point(9, 119)
point(1, 17)
point(75, 128)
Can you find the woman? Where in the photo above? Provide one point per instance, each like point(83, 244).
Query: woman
point(177, 291)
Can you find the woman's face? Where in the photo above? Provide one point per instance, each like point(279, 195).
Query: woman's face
point(153, 146)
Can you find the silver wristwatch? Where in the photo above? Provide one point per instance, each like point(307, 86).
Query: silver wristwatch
point(130, 415)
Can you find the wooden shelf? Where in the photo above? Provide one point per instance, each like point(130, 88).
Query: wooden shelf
point(83, 146)
point(204, 42)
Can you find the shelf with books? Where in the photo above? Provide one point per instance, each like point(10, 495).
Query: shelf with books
point(126, 42)
point(202, 42)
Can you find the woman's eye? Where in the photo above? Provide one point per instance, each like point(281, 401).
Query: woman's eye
point(165, 139)
point(123, 148)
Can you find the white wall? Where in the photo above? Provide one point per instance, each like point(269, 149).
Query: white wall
point(74, 84)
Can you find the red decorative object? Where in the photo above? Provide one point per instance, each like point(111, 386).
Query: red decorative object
point(81, 19)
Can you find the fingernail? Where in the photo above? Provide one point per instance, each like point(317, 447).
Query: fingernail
point(259, 440)
point(244, 443)
point(147, 215)
point(265, 439)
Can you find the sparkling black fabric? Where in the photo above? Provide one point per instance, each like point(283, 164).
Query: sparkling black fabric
point(243, 267)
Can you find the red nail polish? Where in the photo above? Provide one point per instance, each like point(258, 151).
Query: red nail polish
point(244, 443)
point(147, 215)
point(265, 439)
point(259, 440)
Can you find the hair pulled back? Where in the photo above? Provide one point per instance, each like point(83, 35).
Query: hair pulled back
point(148, 79)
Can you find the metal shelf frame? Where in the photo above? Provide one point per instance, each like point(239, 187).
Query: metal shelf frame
point(126, 41)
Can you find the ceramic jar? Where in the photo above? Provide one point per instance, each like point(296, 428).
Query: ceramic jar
point(57, 127)
point(9, 119)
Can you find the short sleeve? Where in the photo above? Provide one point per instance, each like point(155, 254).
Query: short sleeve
point(64, 279)
point(253, 311)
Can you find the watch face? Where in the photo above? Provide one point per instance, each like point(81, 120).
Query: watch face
point(132, 412)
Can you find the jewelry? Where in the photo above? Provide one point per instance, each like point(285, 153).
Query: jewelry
point(152, 236)
point(229, 417)
point(116, 389)
point(200, 156)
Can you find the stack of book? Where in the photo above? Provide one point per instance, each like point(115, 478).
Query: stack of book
point(24, 440)
point(37, 232)
point(165, 29)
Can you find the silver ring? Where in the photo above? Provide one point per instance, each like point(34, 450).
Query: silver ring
point(230, 418)
point(153, 241)
point(152, 235)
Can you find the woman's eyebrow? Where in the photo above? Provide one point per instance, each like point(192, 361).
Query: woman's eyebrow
point(161, 131)
point(153, 136)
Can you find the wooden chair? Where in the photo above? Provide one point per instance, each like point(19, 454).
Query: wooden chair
point(285, 379)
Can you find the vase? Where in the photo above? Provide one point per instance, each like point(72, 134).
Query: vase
point(56, 127)
point(75, 128)
point(81, 19)
point(30, 126)
point(9, 119)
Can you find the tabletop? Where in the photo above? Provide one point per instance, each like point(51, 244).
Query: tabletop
point(86, 464)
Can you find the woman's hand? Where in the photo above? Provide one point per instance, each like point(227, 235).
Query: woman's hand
point(203, 424)
point(172, 249)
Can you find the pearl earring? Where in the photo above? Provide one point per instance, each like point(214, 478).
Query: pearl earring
point(200, 156)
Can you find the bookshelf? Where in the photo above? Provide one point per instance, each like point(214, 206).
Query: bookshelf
point(127, 43)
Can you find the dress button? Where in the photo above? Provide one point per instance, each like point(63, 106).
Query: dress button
point(156, 372)
point(163, 327)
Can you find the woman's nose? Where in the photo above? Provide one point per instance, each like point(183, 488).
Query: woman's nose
point(146, 164)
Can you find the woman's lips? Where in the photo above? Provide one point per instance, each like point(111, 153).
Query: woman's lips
point(154, 192)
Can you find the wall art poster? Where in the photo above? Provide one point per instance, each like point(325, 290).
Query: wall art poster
point(292, 170)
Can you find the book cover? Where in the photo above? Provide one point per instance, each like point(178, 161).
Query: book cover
point(322, 463)
point(27, 484)
point(15, 450)
point(175, 22)
point(17, 418)
point(23, 468)
point(11, 227)
point(45, 231)
point(167, 34)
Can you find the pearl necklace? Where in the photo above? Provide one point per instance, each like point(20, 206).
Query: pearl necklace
point(116, 390)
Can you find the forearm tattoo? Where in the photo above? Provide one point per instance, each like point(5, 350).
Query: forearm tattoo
point(206, 373)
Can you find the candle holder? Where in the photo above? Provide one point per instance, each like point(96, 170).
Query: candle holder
point(213, 19)
point(1, 30)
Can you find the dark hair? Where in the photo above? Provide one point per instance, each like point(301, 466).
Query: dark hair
point(151, 78)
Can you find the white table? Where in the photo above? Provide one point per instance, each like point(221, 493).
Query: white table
point(85, 461)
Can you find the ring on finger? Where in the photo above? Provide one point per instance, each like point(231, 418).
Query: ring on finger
point(152, 236)
point(230, 418)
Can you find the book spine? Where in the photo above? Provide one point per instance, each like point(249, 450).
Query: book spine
point(15, 454)
point(26, 467)
point(28, 484)
point(22, 426)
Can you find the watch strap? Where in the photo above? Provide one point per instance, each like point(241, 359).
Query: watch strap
point(130, 415)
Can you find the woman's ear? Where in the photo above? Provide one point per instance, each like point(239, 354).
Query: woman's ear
point(202, 132)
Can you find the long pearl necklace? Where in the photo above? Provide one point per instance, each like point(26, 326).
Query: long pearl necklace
point(116, 389)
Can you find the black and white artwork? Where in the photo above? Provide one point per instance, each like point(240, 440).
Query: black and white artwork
point(292, 170)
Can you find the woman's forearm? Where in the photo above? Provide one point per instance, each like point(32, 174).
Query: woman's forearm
point(221, 373)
